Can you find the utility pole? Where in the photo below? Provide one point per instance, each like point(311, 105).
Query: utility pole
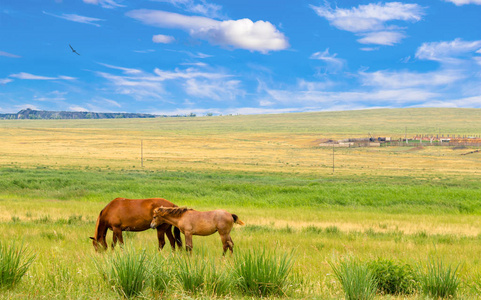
point(142, 153)
point(332, 158)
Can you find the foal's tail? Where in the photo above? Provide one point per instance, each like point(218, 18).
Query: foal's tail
point(178, 240)
point(237, 220)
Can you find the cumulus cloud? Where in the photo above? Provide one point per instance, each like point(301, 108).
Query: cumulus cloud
point(245, 34)
point(162, 39)
point(370, 21)
point(77, 18)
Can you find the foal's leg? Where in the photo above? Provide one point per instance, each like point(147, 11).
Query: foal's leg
point(226, 242)
point(188, 242)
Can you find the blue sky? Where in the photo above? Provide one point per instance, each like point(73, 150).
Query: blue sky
point(238, 57)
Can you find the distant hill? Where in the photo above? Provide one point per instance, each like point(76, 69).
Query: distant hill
point(55, 115)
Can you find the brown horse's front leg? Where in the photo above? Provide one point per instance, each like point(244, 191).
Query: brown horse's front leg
point(188, 242)
point(117, 235)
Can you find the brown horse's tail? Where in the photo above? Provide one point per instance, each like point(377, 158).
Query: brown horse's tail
point(178, 240)
point(237, 220)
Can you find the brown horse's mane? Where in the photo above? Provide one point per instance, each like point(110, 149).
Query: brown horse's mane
point(173, 211)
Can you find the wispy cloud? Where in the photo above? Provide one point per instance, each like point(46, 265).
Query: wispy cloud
point(3, 53)
point(104, 3)
point(5, 80)
point(162, 39)
point(77, 18)
point(334, 64)
point(245, 34)
point(201, 7)
point(448, 51)
point(123, 69)
point(200, 84)
point(464, 2)
point(28, 76)
point(370, 21)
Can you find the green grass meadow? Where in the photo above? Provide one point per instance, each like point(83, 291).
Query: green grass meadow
point(408, 206)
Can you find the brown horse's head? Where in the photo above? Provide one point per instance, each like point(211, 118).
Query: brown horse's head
point(95, 243)
point(161, 212)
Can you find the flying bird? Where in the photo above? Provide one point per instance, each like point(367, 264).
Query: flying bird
point(73, 50)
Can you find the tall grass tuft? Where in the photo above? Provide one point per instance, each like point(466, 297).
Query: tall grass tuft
point(439, 280)
point(263, 273)
point(392, 277)
point(160, 274)
point(200, 273)
point(126, 271)
point(14, 263)
point(357, 280)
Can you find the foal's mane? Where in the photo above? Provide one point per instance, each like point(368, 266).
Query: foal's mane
point(173, 211)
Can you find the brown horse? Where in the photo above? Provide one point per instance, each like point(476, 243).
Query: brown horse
point(132, 215)
point(192, 222)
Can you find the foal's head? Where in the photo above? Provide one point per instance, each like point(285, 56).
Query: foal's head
point(161, 213)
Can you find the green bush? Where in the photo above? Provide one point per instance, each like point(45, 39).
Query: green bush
point(262, 273)
point(438, 280)
point(393, 278)
point(14, 263)
point(356, 278)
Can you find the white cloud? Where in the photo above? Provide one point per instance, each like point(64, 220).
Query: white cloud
point(370, 20)
point(203, 8)
point(78, 108)
point(407, 79)
point(463, 2)
point(5, 80)
point(28, 76)
point(163, 39)
point(202, 84)
point(216, 90)
point(334, 64)
point(259, 36)
point(448, 51)
point(104, 3)
point(77, 18)
point(388, 38)
point(125, 70)
point(3, 53)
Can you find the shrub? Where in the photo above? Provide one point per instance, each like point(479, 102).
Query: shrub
point(393, 278)
point(14, 263)
point(438, 280)
point(126, 271)
point(261, 272)
point(357, 280)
